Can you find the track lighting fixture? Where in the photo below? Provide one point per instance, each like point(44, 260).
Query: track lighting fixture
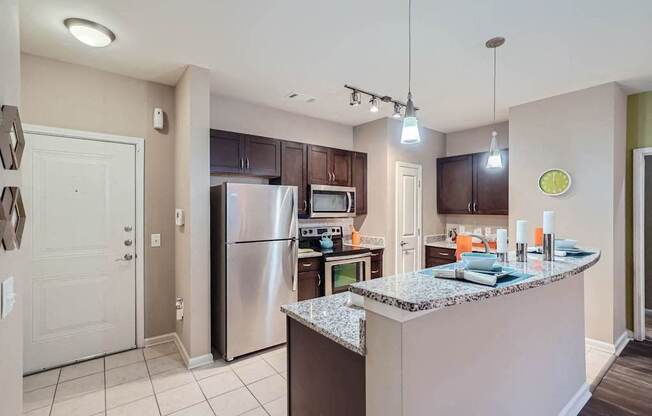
point(355, 99)
point(397, 111)
point(373, 105)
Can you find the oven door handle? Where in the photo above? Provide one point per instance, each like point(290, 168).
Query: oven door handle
point(351, 257)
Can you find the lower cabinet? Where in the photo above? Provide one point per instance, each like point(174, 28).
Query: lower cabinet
point(437, 256)
point(310, 281)
point(377, 263)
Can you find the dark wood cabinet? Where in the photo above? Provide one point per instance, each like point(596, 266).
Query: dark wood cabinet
point(294, 171)
point(310, 280)
point(455, 185)
point(359, 181)
point(226, 152)
point(328, 166)
point(491, 186)
point(437, 256)
point(466, 186)
point(376, 263)
point(239, 153)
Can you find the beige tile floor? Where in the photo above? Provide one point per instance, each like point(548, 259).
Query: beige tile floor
point(154, 381)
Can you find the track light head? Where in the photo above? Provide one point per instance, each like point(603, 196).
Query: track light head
point(373, 105)
point(397, 111)
point(355, 99)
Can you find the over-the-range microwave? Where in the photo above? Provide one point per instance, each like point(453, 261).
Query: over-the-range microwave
point(327, 201)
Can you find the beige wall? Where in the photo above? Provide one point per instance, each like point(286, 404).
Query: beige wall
point(243, 117)
point(71, 96)
point(584, 133)
point(12, 263)
point(380, 139)
point(192, 194)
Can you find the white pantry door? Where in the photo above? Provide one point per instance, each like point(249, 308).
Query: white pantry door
point(408, 217)
point(80, 298)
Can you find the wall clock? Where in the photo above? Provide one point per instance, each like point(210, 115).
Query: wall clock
point(554, 182)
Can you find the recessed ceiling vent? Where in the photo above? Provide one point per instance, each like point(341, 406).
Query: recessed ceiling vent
point(300, 97)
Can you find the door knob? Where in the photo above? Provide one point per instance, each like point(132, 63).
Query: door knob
point(128, 243)
point(126, 257)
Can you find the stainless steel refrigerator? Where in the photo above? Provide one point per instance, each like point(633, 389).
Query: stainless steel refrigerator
point(254, 265)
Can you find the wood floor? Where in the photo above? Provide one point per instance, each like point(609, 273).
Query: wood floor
point(626, 389)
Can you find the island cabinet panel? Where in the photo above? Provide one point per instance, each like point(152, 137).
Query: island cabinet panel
point(294, 171)
point(376, 263)
point(324, 378)
point(436, 256)
point(466, 186)
point(319, 165)
point(490, 185)
point(455, 185)
point(359, 181)
point(226, 152)
point(309, 285)
point(262, 156)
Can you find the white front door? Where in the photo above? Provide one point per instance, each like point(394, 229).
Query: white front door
point(408, 217)
point(80, 297)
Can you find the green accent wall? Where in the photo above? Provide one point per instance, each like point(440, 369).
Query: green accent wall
point(639, 134)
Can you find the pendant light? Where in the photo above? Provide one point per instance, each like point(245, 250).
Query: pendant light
point(494, 160)
point(410, 132)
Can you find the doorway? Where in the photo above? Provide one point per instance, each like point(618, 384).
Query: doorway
point(408, 217)
point(642, 227)
point(84, 292)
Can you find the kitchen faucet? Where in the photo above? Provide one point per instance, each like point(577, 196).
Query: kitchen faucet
point(484, 241)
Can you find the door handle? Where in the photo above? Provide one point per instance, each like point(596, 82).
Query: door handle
point(128, 228)
point(128, 243)
point(305, 205)
point(126, 257)
point(247, 163)
point(241, 163)
point(403, 243)
point(468, 207)
point(333, 176)
point(319, 281)
point(306, 264)
point(475, 207)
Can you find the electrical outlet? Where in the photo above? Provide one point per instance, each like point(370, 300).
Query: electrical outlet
point(156, 240)
point(8, 297)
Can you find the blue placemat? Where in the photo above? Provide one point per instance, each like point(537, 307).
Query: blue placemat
point(512, 278)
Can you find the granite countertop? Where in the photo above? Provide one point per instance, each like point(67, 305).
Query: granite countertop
point(418, 292)
point(309, 255)
point(333, 318)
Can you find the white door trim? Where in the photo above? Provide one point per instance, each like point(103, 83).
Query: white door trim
point(139, 144)
point(639, 241)
point(397, 242)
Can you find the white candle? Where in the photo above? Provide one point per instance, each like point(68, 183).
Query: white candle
point(521, 231)
point(548, 222)
point(501, 240)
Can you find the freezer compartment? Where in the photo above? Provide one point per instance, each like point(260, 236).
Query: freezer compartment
point(261, 277)
point(260, 212)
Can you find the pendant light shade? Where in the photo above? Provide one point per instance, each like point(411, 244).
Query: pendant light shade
point(494, 160)
point(410, 133)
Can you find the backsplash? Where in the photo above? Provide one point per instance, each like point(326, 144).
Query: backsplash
point(345, 223)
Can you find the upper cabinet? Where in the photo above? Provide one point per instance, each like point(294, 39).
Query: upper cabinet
point(294, 171)
point(466, 186)
point(328, 166)
point(359, 181)
point(244, 154)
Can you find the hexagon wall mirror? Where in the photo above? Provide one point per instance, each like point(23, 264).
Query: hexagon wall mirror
point(12, 217)
point(12, 140)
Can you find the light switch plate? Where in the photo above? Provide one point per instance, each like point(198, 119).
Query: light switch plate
point(156, 240)
point(8, 297)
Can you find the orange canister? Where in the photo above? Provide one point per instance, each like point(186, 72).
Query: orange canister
point(464, 244)
point(538, 236)
point(355, 237)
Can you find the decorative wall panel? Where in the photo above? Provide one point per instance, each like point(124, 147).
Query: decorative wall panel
point(12, 218)
point(12, 140)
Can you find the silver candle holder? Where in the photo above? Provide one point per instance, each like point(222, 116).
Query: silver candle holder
point(521, 252)
point(501, 257)
point(549, 247)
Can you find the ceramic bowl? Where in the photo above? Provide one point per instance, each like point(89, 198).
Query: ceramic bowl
point(479, 261)
point(564, 243)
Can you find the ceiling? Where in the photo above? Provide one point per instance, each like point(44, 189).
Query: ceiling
point(261, 50)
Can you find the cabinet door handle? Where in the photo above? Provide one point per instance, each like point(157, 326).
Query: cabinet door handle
point(475, 207)
point(333, 176)
point(444, 254)
point(306, 264)
point(374, 254)
point(319, 277)
point(305, 205)
point(468, 207)
point(330, 176)
point(247, 163)
point(375, 271)
point(241, 163)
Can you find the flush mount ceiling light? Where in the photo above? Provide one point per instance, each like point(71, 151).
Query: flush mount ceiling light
point(494, 160)
point(373, 105)
point(355, 99)
point(410, 132)
point(89, 33)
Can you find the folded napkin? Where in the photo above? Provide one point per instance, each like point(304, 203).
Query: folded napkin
point(461, 274)
point(576, 252)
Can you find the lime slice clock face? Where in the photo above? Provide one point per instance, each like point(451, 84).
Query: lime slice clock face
point(554, 182)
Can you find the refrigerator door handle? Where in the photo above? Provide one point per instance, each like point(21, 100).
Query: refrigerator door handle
point(295, 265)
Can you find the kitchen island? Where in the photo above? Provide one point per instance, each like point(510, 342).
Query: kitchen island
point(412, 344)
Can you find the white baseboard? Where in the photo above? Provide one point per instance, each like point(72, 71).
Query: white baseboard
point(616, 348)
point(191, 362)
point(577, 402)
